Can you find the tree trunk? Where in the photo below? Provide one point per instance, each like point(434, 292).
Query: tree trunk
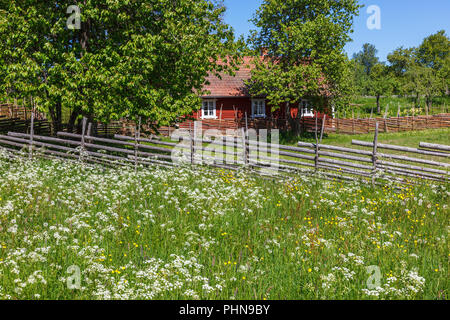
point(378, 104)
point(429, 105)
point(55, 114)
point(73, 117)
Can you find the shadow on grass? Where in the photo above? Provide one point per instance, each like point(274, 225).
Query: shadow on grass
point(291, 138)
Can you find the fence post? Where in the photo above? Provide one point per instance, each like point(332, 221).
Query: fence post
point(10, 108)
point(30, 155)
point(192, 143)
point(25, 115)
point(353, 121)
point(89, 131)
point(244, 147)
point(385, 121)
point(323, 127)
point(198, 142)
point(15, 108)
point(374, 154)
point(316, 158)
point(407, 121)
point(83, 129)
point(137, 136)
point(246, 122)
point(337, 123)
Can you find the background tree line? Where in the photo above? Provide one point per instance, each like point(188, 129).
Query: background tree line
point(422, 71)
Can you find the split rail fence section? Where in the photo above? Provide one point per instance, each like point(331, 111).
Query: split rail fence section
point(399, 164)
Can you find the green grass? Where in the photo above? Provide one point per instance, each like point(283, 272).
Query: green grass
point(212, 234)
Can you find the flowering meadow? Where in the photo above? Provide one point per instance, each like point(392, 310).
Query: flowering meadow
point(213, 234)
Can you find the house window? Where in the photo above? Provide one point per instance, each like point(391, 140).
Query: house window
point(305, 109)
point(209, 109)
point(258, 108)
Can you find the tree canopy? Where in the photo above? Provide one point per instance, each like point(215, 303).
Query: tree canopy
point(367, 57)
point(144, 58)
point(380, 82)
point(303, 41)
point(434, 53)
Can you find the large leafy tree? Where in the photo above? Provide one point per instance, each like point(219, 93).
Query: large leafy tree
point(362, 64)
point(380, 83)
point(367, 57)
point(434, 53)
point(303, 41)
point(424, 71)
point(144, 58)
point(434, 50)
point(400, 60)
point(423, 81)
point(359, 78)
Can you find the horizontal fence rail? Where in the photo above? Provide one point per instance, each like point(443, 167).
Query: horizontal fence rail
point(438, 147)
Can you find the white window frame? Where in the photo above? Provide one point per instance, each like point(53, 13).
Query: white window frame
point(210, 115)
point(305, 109)
point(257, 103)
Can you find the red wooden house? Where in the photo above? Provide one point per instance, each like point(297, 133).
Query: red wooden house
point(229, 99)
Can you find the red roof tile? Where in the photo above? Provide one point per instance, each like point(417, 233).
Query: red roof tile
point(234, 86)
point(230, 86)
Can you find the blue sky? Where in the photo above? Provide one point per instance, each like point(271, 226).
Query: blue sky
point(403, 22)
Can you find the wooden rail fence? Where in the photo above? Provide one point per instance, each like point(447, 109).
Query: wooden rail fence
point(403, 165)
point(42, 127)
point(393, 124)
